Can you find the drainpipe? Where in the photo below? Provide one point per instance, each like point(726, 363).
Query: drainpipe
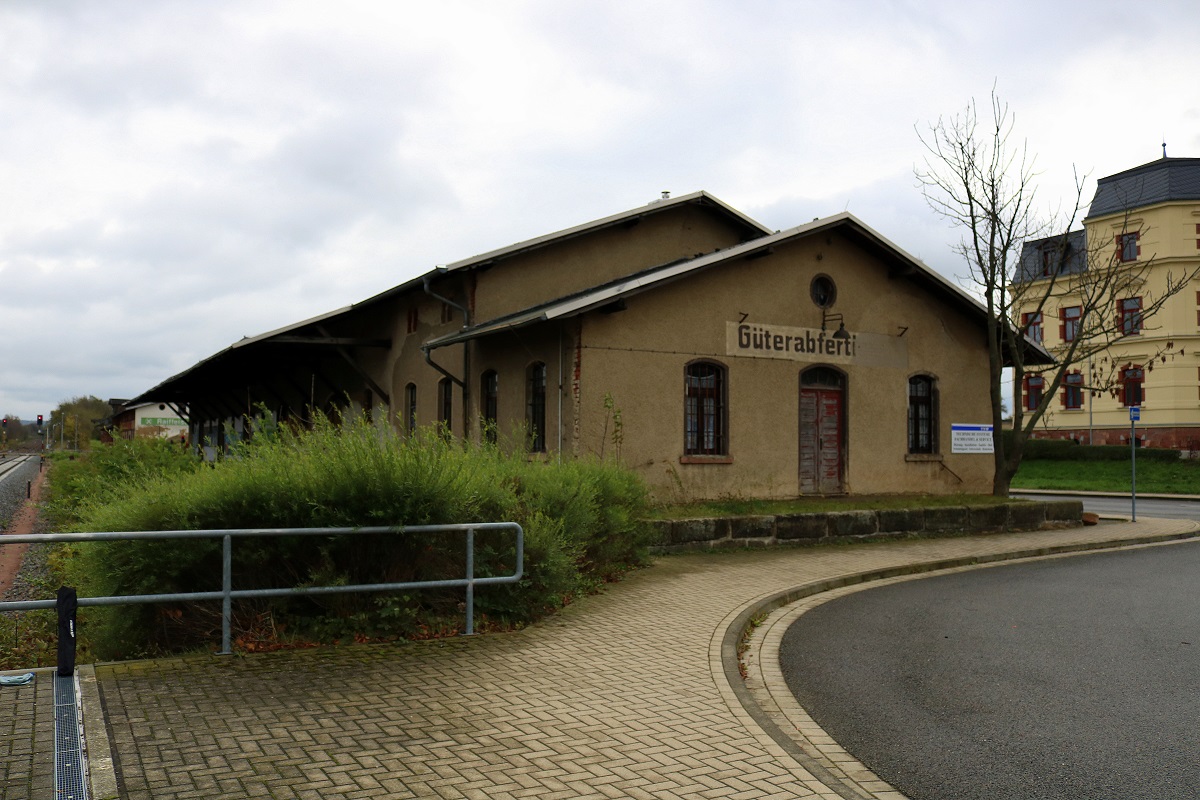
point(560, 391)
point(464, 382)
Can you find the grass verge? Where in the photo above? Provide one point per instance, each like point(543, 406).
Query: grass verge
point(1173, 477)
point(737, 507)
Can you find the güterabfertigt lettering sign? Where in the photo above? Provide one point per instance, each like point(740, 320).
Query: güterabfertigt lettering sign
point(755, 340)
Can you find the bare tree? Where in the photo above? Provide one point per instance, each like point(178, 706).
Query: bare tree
point(981, 181)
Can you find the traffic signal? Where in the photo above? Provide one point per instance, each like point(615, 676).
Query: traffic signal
point(4, 423)
point(39, 420)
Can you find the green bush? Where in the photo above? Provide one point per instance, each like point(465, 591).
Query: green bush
point(581, 521)
point(106, 472)
point(1069, 450)
point(1066, 450)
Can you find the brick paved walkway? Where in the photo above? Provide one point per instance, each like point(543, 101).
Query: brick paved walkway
point(27, 737)
point(624, 694)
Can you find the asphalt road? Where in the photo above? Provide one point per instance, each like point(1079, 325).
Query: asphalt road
point(1068, 678)
point(1122, 506)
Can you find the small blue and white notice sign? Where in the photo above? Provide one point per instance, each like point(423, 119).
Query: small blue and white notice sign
point(970, 438)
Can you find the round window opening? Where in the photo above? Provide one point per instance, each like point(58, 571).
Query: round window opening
point(823, 292)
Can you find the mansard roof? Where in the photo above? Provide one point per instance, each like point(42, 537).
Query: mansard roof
point(1159, 181)
point(1055, 255)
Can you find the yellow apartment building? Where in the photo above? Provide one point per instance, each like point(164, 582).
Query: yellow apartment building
point(1146, 221)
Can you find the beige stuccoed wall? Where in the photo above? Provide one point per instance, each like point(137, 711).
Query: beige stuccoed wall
point(511, 354)
point(639, 355)
point(573, 265)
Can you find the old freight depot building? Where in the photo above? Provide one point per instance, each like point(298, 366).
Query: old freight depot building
point(710, 354)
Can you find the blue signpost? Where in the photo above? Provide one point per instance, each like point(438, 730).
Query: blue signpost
point(1135, 413)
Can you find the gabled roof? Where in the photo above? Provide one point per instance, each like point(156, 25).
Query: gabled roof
point(615, 291)
point(751, 228)
point(1157, 182)
point(761, 240)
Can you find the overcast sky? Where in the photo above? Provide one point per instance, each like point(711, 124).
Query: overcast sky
point(177, 175)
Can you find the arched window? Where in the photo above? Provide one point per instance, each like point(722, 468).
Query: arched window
point(446, 405)
point(535, 406)
point(410, 407)
point(704, 412)
point(922, 414)
point(490, 399)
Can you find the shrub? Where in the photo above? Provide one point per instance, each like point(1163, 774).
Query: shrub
point(106, 472)
point(581, 521)
point(1068, 450)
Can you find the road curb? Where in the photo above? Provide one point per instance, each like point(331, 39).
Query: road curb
point(742, 629)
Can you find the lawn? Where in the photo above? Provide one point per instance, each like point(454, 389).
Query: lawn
point(737, 507)
point(1176, 477)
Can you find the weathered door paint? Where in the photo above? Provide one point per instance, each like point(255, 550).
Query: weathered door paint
point(821, 421)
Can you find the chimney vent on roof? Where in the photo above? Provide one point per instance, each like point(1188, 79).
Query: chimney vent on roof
point(666, 196)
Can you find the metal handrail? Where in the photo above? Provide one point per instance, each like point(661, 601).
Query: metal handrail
point(228, 594)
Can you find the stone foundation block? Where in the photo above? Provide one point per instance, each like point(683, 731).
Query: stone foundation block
point(853, 523)
point(951, 518)
point(752, 527)
point(800, 526)
point(1064, 510)
point(901, 520)
point(1026, 516)
point(988, 518)
point(687, 531)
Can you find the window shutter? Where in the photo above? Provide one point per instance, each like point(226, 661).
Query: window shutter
point(1062, 324)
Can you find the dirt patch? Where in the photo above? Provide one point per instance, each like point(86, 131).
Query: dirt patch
point(24, 522)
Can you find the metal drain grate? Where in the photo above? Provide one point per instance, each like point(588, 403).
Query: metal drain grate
point(69, 770)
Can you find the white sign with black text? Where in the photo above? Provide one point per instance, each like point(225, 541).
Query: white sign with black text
point(970, 438)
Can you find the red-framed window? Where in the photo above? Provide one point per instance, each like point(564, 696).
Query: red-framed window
point(1069, 321)
point(1131, 316)
point(1128, 248)
point(1049, 257)
point(1032, 323)
point(1133, 388)
point(1035, 386)
point(1072, 396)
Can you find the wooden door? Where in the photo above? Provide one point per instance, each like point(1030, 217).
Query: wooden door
point(821, 438)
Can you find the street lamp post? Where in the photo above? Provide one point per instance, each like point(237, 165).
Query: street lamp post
point(1135, 413)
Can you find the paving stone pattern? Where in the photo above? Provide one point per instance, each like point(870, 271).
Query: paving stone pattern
point(623, 694)
point(27, 738)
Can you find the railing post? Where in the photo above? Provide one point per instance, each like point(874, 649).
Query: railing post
point(66, 605)
point(226, 590)
point(470, 581)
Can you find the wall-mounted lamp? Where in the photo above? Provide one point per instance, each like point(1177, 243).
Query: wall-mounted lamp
point(841, 332)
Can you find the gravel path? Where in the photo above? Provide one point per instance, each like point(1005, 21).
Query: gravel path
point(13, 488)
